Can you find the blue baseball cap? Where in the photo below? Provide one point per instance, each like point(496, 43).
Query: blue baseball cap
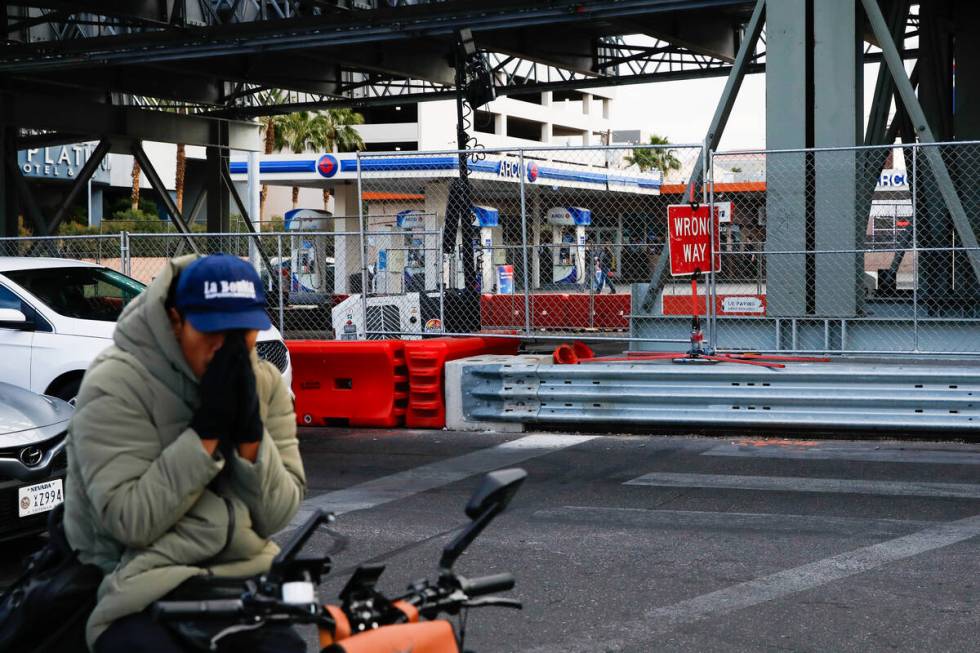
point(221, 292)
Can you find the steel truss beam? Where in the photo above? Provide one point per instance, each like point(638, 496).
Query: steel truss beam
point(296, 24)
point(151, 174)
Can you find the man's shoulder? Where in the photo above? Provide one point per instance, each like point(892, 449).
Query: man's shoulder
point(115, 369)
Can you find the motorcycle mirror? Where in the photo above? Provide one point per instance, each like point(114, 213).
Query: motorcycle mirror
point(300, 536)
point(491, 497)
point(496, 491)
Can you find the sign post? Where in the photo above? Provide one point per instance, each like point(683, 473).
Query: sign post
point(689, 239)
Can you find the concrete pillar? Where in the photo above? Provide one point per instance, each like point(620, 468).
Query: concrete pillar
point(838, 121)
point(95, 205)
point(500, 124)
point(787, 110)
point(436, 195)
point(546, 98)
point(347, 249)
point(546, 132)
point(587, 104)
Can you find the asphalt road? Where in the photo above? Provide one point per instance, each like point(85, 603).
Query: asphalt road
point(643, 543)
point(667, 543)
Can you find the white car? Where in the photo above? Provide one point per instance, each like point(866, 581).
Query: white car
point(56, 315)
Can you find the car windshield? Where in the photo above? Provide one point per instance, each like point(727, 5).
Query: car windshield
point(84, 293)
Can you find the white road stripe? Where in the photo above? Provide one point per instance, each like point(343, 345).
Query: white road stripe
point(775, 586)
point(812, 575)
point(802, 484)
point(427, 477)
point(822, 452)
point(612, 517)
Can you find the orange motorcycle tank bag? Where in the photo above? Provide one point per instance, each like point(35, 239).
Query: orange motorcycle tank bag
point(341, 631)
point(426, 637)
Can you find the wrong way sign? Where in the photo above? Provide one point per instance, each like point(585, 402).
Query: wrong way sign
point(689, 237)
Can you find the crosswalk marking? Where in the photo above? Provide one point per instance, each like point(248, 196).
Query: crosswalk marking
point(658, 621)
point(613, 516)
point(803, 484)
point(428, 477)
point(823, 451)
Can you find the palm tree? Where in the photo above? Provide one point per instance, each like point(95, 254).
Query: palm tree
point(655, 158)
point(134, 195)
point(179, 176)
point(327, 130)
point(270, 125)
point(299, 132)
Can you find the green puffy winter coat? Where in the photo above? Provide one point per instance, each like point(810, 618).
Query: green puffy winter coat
point(144, 501)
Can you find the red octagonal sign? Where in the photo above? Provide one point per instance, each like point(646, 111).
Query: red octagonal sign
point(689, 235)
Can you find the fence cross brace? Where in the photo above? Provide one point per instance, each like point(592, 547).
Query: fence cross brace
point(81, 181)
point(151, 174)
point(230, 184)
point(31, 207)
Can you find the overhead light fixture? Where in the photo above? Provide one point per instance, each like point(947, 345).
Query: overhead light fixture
point(478, 84)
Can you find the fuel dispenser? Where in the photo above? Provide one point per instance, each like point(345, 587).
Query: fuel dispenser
point(568, 260)
point(488, 219)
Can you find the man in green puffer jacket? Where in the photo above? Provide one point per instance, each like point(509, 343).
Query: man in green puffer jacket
point(182, 455)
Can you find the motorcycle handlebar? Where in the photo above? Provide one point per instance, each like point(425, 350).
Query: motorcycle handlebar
point(165, 610)
point(487, 584)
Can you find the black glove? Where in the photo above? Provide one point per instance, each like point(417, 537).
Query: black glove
point(248, 427)
point(218, 413)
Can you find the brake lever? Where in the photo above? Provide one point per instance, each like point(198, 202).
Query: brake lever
point(494, 602)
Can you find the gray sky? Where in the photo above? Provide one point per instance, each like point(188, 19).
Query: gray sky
point(682, 110)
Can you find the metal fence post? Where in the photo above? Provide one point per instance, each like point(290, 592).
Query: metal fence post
point(441, 283)
point(124, 262)
point(282, 321)
point(915, 249)
point(364, 246)
point(708, 197)
point(527, 284)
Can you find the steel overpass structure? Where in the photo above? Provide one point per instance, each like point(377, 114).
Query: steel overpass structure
point(198, 71)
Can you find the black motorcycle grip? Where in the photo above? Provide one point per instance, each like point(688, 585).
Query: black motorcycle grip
point(488, 584)
point(165, 610)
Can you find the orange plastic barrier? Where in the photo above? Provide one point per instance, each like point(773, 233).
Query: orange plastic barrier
point(363, 383)
point(426, 361)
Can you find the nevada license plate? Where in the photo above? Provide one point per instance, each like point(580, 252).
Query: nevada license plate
point(38, 498)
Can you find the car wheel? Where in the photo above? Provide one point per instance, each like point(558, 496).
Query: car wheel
point(68, 390)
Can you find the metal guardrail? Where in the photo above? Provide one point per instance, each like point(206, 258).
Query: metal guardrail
point(810, 395)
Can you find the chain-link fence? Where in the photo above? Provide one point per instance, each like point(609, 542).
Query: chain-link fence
point(846, 250)
point(537, 242)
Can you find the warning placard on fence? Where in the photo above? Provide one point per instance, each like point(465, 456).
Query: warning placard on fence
point(689, 237)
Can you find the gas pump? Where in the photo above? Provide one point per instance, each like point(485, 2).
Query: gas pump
point(561, 217)
point(488, 219)
point(413, 268)
point(309, 268)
